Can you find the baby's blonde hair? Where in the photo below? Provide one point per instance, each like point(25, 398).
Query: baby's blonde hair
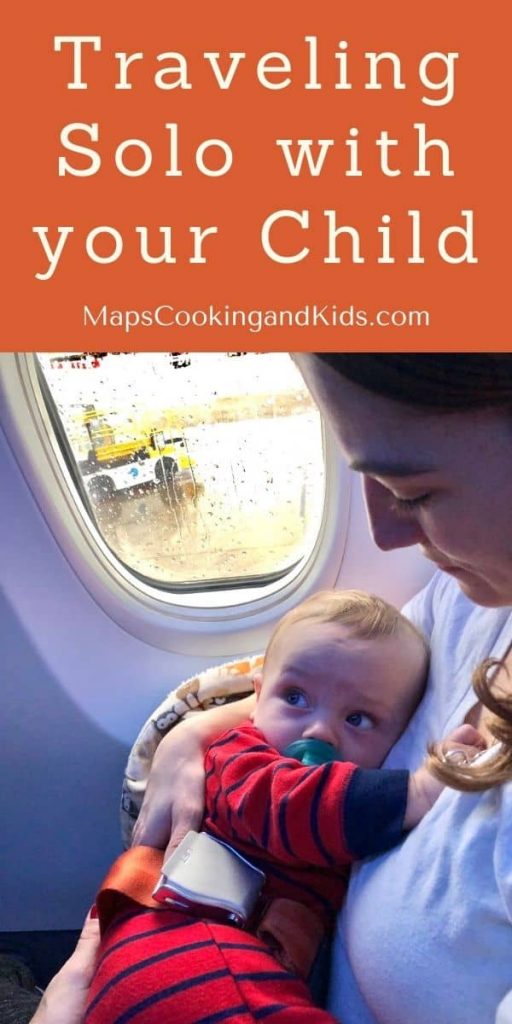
point(366, 615)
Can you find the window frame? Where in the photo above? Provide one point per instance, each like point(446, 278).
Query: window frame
point(183, 621)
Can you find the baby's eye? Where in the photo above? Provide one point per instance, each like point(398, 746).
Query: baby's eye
point(359, 720)
point(296, 698)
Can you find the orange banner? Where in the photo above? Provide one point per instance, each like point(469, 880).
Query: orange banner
point(277, 176)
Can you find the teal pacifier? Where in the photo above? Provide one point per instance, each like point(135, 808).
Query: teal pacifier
point(312, 752)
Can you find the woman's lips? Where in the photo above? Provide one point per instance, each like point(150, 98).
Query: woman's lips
point(449, 567)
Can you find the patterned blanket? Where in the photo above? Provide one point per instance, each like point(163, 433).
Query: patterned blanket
point(218, 685)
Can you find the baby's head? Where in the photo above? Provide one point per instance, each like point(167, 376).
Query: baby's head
point(344, 667)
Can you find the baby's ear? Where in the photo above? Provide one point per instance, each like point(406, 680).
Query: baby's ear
point(258, 683)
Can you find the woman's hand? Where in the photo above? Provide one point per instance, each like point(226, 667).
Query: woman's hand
point(65, 998)
point(174, 799)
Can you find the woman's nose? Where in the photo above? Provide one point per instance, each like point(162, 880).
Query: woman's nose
point(389, 528)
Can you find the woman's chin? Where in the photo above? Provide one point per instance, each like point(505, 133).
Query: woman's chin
point(480, 591)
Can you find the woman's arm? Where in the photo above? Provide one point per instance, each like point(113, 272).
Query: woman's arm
point(64, 999)
point(174, 799)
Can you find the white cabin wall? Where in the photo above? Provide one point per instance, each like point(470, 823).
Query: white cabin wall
point(76, 688)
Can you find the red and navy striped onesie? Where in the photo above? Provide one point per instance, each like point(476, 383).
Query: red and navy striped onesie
point(303, 826)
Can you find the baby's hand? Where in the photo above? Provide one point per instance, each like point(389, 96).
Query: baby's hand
point(462, 738)
point(461, 744)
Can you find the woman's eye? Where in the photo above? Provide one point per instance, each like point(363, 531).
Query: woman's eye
point(359, 721)
point(408, 504)
point(296, 698)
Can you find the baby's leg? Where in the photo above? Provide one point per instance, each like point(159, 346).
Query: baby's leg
point(163, 966)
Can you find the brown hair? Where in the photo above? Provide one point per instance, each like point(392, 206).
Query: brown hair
point(472, 778)
point(366, 615)
point(440, 382)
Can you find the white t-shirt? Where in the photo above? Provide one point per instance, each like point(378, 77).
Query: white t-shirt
point(425, 935)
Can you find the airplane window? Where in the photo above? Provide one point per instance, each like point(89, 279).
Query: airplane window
point(199, 469)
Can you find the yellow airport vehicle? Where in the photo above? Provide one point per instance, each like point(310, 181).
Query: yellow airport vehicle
point(113, 465)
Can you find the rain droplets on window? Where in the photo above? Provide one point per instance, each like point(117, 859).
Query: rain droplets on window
point(198, 467)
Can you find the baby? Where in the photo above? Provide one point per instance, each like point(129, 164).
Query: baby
point(344, 668)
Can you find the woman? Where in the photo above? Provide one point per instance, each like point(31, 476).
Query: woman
point(433, 437)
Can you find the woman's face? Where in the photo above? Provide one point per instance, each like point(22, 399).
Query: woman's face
point(443, 481)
